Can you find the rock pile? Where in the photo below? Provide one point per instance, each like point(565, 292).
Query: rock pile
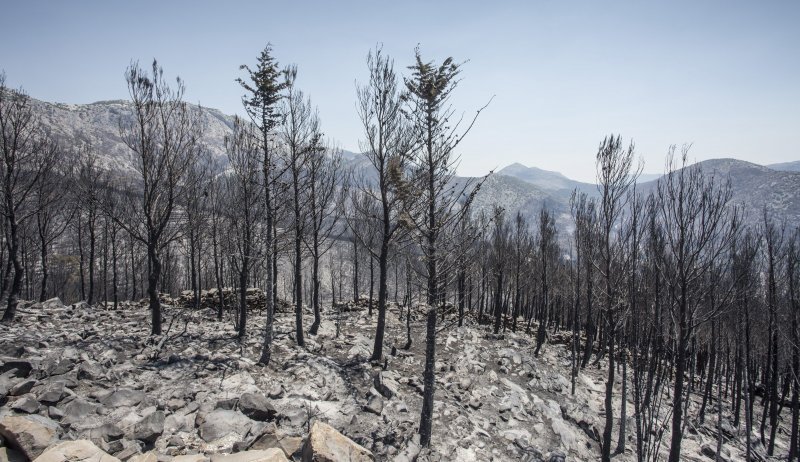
point(210, 299)
point(69, 394)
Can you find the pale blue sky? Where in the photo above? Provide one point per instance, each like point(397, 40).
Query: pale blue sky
point(724, 75)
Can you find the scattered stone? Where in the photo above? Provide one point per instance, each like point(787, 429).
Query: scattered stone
point(150, 428)
point(123, 397)
point(90, 370)
point(175, 441)
point(261, 455)
point(130, 449)
point(257, 407)
point(227, 404)
point(20, 367)
point(276, 392)
point(52, 394)
point(175, 404)
point(22, 387)
point(75, 451)
point(146, 457)
point(557, 456)
point(325, 444)
point(55, 413)
point(106, 432)
point(112, 447)
point(410, 452)
point(290, 445)
point(30, 434)
point(26, 405)
point(190, 458)
point(77, 409)
point(386, 385)
point(474, 403)
point(708, 450)
point(220, 423)
point(374, 405)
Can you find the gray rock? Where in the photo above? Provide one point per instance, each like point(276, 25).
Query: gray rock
point(26, 404)
point(228, 404)
point(257, 407)
point(76, 451)
point(90, 370)
point(52, 393)
point(276, 392)
point(78, 409)
point(123, 397)
point(150, 428)
point(290, 445)
point(176, 441)
point(30, 434)
point(55, 413)
point(22, 388)
point(130, 449)
point(386, 385)
point(265, 455)
point(221, 422)
point(557, 456)
point(374, 405)
point(295, 417)
point(474, 403)
point(23, 367)
point(113, 447)
point(325, 444)
point(190, 458)
point(61, 367)
point(106, 432)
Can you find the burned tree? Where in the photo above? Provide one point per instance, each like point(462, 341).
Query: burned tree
point(386, 147)
point(244, 207)
point(300, 135)
point(27, 154)
point(693, 210)
point(439, 206)
point(164, 136)
point(264, 91)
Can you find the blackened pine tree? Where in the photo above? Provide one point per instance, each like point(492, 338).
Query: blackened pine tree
point(264, 90)
point(300, 134)
point(244, 207)
point(387, 147)
point(324, 200)
point(439, 204)
point(698, 228)
point(165, 137)
point(27, 153)
point(614, 168)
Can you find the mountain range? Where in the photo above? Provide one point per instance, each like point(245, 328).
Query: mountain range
point(517, 188)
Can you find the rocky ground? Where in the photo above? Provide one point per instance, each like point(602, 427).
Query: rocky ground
point(86, 373)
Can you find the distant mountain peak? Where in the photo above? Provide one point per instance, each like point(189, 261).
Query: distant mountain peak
point(793, 166)
point(545, 179)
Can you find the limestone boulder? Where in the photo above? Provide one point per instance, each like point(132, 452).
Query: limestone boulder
point(30, 434)
point(222, 422)
point(325, 444)
point(261, 455)
point(75, 451)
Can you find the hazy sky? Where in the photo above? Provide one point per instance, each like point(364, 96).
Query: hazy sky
point(723, 75)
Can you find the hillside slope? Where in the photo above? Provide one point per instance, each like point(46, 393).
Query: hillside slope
point(89, 373)
point(516, 188)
